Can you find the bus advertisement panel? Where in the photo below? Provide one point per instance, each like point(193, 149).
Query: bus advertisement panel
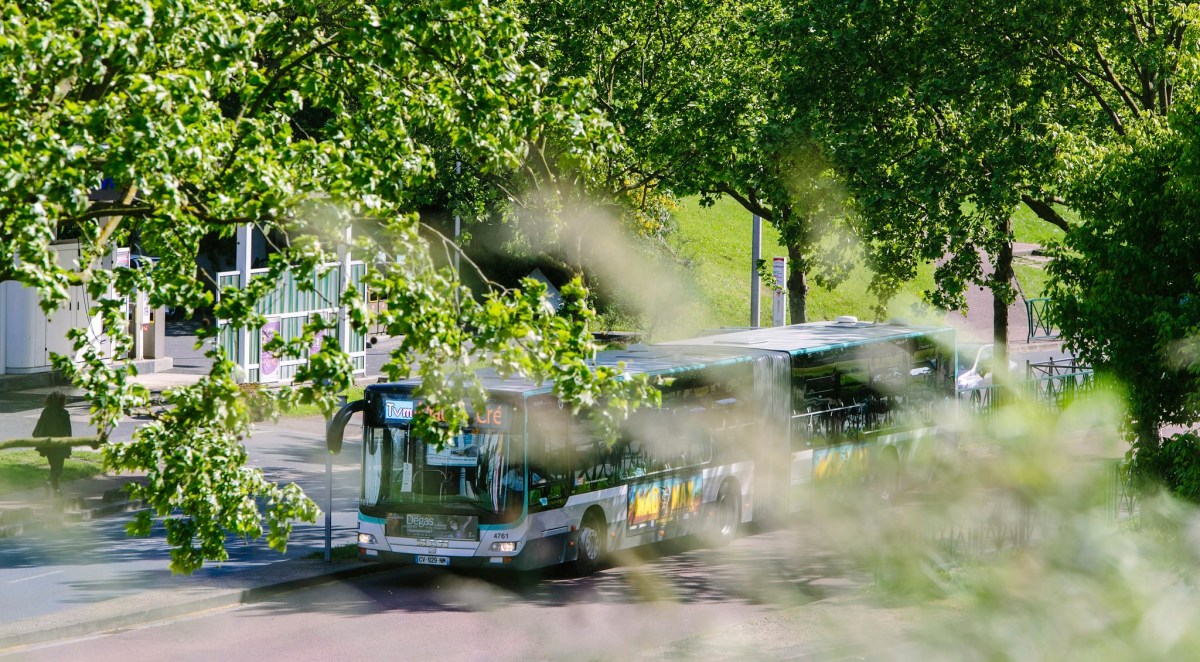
point(654, 504)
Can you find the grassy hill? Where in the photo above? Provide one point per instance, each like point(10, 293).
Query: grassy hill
point(715, 241)
point(1029, 229)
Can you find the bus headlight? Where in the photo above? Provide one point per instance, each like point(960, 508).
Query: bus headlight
point(504, 547)
point(366, 539)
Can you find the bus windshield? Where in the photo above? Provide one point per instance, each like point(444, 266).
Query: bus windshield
point(478, 473)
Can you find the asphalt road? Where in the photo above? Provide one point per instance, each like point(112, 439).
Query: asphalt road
point(772, 595)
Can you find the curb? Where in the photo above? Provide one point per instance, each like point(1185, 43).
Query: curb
point(53, 378)
point(110, 615)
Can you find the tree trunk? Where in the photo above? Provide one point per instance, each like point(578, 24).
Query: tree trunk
point(1148, 437)
point(1003, 276)
point(797, 284)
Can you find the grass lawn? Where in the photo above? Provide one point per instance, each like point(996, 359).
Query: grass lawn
point(716, 242)
point(1032, 276)
point(1029, 229)
point(24, 469)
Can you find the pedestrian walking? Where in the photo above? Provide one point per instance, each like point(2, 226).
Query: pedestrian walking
point(54, 422)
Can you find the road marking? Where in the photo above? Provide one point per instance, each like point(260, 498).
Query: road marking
point(25, 579)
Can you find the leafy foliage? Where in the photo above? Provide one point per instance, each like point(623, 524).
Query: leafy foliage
point(301, 118)
point(1125, 288)
point(1175, 465)
point(693, 89)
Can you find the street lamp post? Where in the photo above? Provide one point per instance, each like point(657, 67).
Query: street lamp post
point(755, 256)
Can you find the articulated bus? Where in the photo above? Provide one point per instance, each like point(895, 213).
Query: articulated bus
point(750, 421)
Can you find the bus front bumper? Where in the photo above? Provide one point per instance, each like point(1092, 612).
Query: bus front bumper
point(537, 553)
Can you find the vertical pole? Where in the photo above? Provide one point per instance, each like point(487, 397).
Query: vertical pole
point(779, 292)
point(457, 223)
point(328, 506)
point(3, 326)
point(341, 402)
point(343, 314)
point(245, 259)
point(457, 231)
point(139, 319)
point(755, 256)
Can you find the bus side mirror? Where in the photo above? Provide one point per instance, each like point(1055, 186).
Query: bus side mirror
point(337, 425)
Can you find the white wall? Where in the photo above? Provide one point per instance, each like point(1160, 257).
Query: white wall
point(29, 336)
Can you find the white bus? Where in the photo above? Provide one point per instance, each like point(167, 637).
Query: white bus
point(749, 422)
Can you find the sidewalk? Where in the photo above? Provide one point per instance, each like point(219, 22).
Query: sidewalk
point(36, 514)
point(975, 326)
point(81, 500)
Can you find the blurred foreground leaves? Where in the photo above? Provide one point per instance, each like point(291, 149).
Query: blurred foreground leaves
point(1021, 545)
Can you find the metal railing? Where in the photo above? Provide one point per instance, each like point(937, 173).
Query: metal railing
point(1055, 383)
point(1052, 383)
point(1040, 327)
point(289, 306)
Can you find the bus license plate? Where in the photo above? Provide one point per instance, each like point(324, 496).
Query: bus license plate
point(433, 560)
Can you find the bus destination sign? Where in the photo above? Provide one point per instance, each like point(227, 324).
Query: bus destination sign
point(402, 411)
point(397, 410)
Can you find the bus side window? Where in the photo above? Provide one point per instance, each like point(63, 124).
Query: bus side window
point(637, 456)
point(549, 458)
point(595, 461)
point(699, 444)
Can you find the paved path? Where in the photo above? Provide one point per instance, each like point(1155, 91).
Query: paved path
point(975, 327)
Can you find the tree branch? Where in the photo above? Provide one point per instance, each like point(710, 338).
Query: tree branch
point(115, 210)
point(1091, 87)
point(34, 442)
point(749, 202)
point(1045, 212)
point(270, 87)
point(1112, 79)
point(1133, 23)
point(447, 242)
point(644, 181)
point(111, 226)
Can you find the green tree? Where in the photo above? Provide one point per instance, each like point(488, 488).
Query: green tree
point(1126, 283)
point(944, 116)
point(301, 118)
point(937, 132)
point(693, 89)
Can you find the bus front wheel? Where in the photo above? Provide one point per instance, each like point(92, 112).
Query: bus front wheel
point(590, 545)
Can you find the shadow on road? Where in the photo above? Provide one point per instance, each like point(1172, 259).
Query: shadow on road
point(775, 568)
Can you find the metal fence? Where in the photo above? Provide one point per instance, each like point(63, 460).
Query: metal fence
point(1055, 383)
point(287, 308)
point(1051, 383)
point(1039, 327)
